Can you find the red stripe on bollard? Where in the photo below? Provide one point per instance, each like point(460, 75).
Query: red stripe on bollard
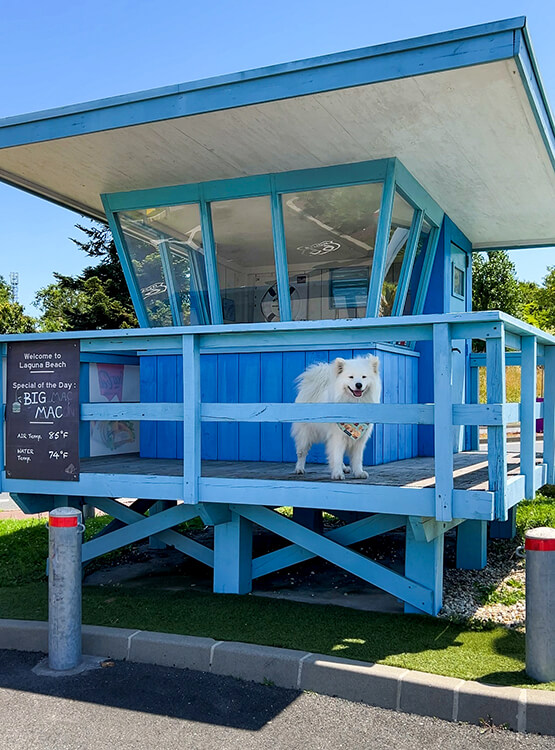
point(64, 521)
point(540, 545)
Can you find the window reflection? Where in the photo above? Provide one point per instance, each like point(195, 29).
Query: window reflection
point(165, 247)
point(401, 220)
point(330, 236)
point(245, 259)
point(421, 249)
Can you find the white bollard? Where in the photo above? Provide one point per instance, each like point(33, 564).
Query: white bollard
point(64, 589)
point(540, 603)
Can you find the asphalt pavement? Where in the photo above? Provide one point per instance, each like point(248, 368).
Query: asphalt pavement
point(141, 706)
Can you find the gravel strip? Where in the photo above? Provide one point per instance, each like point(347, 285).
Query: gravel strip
point(494, 594)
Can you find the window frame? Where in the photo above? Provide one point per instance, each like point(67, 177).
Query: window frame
point(390, 172)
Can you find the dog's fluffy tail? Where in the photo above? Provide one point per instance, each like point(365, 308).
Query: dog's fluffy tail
point(313, 384)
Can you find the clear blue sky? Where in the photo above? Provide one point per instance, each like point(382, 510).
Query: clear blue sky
point(58, 53)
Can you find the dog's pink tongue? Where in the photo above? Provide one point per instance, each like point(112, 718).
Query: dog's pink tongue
point(357, 393)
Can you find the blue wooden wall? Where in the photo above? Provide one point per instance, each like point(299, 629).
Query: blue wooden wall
point(254, 377)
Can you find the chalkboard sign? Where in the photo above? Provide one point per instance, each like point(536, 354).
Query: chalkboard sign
point(42, 410)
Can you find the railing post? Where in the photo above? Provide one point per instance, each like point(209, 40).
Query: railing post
point(549, 413)
point(497, 446)
point(443, 422)
point(474, 394)
point(528, 376)
point(191, 418)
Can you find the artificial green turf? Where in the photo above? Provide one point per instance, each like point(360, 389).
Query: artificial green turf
point(493, 655)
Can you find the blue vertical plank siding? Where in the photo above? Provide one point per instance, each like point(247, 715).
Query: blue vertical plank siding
point(294, 364)
point(269, 376)
point(148, 381)
point(166, 391)
point(228, 392)
point(249, 392)
point(209, 394)
point(271, 389)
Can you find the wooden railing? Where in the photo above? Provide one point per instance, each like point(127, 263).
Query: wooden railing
point(443, 502)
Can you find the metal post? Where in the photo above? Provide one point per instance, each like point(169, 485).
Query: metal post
point(540, 604)
point(64, 589)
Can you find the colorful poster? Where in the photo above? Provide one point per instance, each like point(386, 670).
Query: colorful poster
point(115, 383)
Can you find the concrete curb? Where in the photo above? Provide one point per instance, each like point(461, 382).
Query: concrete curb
point(374, 684)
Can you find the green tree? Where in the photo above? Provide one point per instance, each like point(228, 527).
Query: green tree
point(494, 283)
point(12, 315)
point(97, 298)
point(538, 302)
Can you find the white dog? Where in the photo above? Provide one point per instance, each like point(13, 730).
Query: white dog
point(341, 381)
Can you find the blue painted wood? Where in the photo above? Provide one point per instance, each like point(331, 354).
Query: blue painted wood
point(211, 267)
point(148, 390)
point(474, 397)
point(410, 591)
point(159, 507)
point(472, 545)
point(271, 388)
point(424, 564)
point(191, 419)
point(415, 194)
point(294, 364)
point(497, 447)
point(178, 392)
point(209, 392)
point(84, 396)
point(425, 276)
point(504, 529)
point(427, 54)
point(528, 386)
point(249, 391)
point(166, 392)
point(549, 414)
point(345, 535)
point(233, 556)
point(280, 255)
point(443, 422)
point(172, 538)
point(382, 240)
point(228, 392)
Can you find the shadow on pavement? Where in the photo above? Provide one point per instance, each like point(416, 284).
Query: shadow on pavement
point(177, 693)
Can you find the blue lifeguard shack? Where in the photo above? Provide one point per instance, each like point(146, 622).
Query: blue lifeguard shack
point(278, 217)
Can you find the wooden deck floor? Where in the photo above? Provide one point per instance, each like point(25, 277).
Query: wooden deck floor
point(471, 470)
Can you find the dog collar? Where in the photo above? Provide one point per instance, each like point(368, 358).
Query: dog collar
point(354, 430)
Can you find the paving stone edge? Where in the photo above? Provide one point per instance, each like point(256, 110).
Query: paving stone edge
point(409, 691)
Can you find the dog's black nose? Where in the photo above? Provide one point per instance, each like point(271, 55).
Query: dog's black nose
point(358, 386)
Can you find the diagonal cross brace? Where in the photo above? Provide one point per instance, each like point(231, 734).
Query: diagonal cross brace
point(411, 592)
point(345, 535)
point(140, 527)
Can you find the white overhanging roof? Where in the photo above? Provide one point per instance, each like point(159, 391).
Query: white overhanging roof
point(464, 111)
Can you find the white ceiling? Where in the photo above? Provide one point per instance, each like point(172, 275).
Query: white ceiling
point(467, 135)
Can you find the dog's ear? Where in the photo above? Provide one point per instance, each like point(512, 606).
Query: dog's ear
point(338, 365)
point(375, 362)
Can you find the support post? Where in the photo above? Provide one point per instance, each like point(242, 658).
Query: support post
point(549, 413)
point(64, 589)
point(443, 422)
point(472, 545)
point(424, 564)
point(474, 399)
point(497, 445)
point(191, 418)
point(233, 556)
point(309, 518)
point(528, 380)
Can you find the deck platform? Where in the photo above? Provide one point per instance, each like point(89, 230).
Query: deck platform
point(470, 470)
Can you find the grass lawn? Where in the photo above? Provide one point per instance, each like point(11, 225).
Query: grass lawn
point(493, 655)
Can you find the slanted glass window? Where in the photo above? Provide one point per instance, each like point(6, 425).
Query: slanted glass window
point(422, 247)
point(401, 220)
point(245, 259)
point(165, 247)
point(330, 236)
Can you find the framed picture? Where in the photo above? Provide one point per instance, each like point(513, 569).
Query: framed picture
point(457, 281)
